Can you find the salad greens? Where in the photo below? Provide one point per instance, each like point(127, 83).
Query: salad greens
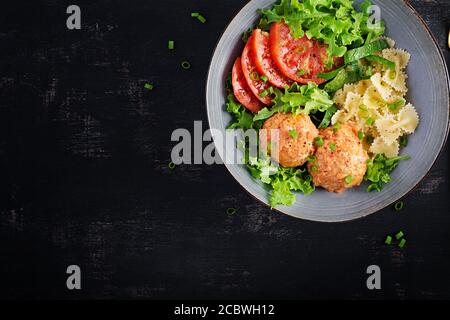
point(307, 99)
point(334, 22)
point(243, 119)
point(282, 180)
point(379, 170)
point(365, 51)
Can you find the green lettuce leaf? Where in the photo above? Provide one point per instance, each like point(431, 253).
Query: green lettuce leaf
point(307, 99)
point(379, 169)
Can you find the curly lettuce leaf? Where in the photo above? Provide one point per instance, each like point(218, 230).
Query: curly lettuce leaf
point(307, 99)
point(243, 119)
point(379, 169)
point(283, 181)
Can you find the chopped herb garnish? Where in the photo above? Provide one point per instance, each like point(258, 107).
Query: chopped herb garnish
point(348, 179)
point(293, 134)
point(399, 235)
point(332, 147)
point(231, 211)
point(314, 169)
point(360, 135)
point(254, 76)
point(171, 165)
point(263, 78)
point(388, 240)
point(336, 127)
point(402, 243)
point(148, 86)
point(319, 141)
point(264, 93)
point(370, 121)
point(301, 72)
point(186, 65)
point(399, 206)
point(198, 16)
point(396, 105)
point(312, 159)
point(171, 45)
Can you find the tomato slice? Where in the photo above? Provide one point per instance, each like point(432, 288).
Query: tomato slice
point(264, 62)
point(251, 74)
point(241, 90)
point(298, 59)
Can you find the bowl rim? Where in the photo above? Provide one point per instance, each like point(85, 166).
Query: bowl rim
point(404, 194)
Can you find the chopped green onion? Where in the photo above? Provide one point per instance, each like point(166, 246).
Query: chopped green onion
point(360, 135)
point(332, 147)
point(293, 134)
point(402, 243)
point(231, 211)
point(388, 240)
point(348, 179)
point(319, 141)
point(172, 165)
point(312, 159)
point(186, 65)
point(254, 76)
point(263, 78)
point(264, 93)
point(370, 121)
point(397, 104)
point(336, 127)
point(171, 45)
point(314, 169)
point(399, 235)
point(399, 206)
point(270, 90)
point(198, 16)
point(301, 72)
point(148, 86)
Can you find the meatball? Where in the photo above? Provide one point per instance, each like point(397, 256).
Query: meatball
point(295, 141)
point(340, 160)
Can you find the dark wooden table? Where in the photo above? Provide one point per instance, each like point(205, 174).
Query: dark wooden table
point(84, 180)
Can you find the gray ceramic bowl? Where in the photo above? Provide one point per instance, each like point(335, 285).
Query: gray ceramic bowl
point(428, 91)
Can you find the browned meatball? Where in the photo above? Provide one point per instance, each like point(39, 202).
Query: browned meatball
point(340, 163)
point(295, 138)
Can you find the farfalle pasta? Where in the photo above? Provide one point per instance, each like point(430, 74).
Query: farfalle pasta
point(377, 106)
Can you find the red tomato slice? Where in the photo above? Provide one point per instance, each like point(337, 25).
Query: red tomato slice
point(241, 90)
point(299, 59)
point(251, 74)
point(263, 60)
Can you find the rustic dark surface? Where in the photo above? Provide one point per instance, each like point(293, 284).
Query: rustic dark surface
point(84, 150)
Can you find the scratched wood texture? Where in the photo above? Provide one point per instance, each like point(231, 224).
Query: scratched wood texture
point(84, 180)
